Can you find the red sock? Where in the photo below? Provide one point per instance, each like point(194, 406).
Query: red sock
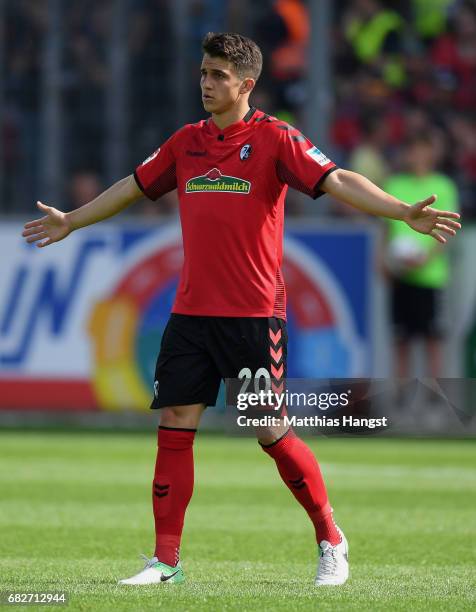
point(300, 471)
point(172, 490)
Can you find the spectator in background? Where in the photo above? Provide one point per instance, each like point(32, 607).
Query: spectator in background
point(410, 62)
point(86, 78)
point(364, 97)
point(454, 57)
point(22, 31)
point(418, 269)
point(429, 17)
point(85, 185)
point(283, 30)
point(461, 159)
point(369, 157)
point(151, 92)
point(376, 34)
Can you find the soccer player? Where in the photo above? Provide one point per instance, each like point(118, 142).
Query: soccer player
point(231, 172)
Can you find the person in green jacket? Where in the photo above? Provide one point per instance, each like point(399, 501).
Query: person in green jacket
point(418, 267)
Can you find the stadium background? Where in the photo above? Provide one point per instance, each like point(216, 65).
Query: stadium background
point(88, 90)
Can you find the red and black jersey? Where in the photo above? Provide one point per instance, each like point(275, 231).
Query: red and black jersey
point(231, 186)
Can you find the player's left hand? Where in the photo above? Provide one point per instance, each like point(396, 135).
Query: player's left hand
point(427, 220)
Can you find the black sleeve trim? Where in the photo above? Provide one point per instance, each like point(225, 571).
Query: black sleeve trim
point(139, 184)
point(318, 192)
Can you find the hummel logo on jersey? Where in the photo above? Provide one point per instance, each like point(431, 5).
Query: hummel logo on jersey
point(245, 152)
point(196, 153)
point(151, 157)
point(214, 180)
point(318, 156)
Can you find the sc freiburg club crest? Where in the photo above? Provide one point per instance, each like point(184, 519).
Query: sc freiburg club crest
point(245, 152)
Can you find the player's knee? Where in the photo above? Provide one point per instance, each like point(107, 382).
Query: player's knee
point(269, 435)
point(182, 417)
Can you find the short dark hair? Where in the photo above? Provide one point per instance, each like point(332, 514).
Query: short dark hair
point(242, 52)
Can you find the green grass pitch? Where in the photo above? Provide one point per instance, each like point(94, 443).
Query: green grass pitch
point(75, 513)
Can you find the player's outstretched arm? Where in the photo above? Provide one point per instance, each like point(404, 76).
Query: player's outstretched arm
point(359, 192)
point(56, 225)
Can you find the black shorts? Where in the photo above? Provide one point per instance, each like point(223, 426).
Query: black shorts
point(415, 311)
point(196, 353)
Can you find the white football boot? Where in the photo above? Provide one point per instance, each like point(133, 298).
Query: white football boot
point(333, 567)
point(156, 572)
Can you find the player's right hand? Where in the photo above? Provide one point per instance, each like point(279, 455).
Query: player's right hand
point(54, 226)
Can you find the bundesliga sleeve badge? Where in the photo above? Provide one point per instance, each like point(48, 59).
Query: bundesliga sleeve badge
point(318, 156)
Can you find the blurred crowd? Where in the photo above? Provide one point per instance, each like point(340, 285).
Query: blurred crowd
point(402, 72)
point(398, 69)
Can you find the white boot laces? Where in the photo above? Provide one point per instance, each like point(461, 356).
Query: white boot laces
point(328, 562)
point(148, 562)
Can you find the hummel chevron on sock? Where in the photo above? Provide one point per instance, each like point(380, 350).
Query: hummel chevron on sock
point(172, 490)
point(300, 471)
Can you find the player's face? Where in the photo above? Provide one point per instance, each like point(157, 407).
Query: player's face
point(221, 86)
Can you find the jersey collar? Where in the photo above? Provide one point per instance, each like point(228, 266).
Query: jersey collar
point(234, 127)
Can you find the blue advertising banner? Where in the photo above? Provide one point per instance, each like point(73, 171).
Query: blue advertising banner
point(81, 321)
